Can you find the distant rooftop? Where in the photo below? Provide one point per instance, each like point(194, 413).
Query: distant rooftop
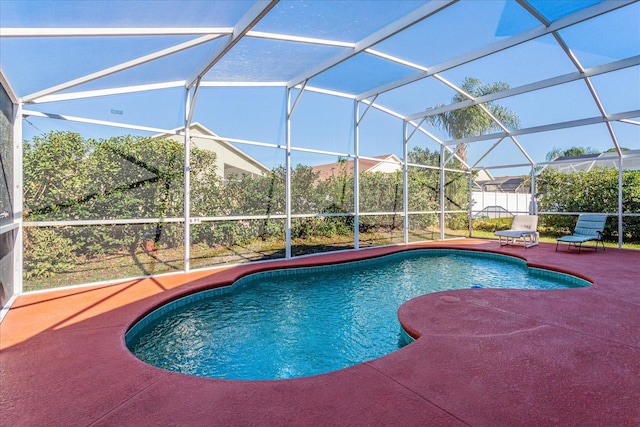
point(386, 163)
point(586, 162)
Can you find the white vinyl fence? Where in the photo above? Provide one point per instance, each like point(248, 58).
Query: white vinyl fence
point(497, 205)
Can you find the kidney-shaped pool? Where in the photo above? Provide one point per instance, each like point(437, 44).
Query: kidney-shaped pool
point(299, 322)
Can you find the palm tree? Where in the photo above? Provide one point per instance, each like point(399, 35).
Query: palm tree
point(473, 121)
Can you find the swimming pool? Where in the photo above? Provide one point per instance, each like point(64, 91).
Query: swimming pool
point(300, 322)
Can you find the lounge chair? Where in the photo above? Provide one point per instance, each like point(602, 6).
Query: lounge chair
point(589, 227)
point(523, 227)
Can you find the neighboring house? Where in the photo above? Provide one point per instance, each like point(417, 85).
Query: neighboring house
point(486, 182)
point(229, 159)
point(587, 162)
point(496, 197)
point(482, 175)
point(387, 163)
point(505, 184)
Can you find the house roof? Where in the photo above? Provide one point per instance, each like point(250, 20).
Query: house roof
point(504, 183)
point(199, 130)
point(578, 157)
point(586, 162)
point(364, 165)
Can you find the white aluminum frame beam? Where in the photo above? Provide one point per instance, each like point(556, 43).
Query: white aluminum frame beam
point(395, 27)
point(18, 197)
point(572, 19)
point(190, 99)
point(620, 202)
point(287, 175)
point(487, 153)
point(258, 11)
point(576, 62)
point(120, 67)
point(405, 181)
point(357, 118)
point(439, 142)
point(27, 113)
point(441, 193)
point(488, 113)
point(550, 127)
point(515, 165)
point(631, 122)
point(532, 87)
point(579, 75)
point(70, 96)
point(112, 32)
point(242, 84)
point(298, 39)
point(596, 98)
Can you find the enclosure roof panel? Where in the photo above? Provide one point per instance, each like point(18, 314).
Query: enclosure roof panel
point(564, 64)
point(349, 21)
point(121, 13)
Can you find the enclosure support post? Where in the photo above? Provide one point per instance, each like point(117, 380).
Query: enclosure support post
point(533, 206)
point(356, 168)
point(470, 203)
point(356, 175)
point(620, 207)
point(18, 247)
point(188, 114)
point(442, 182)
point(405, 182)
point(287, 182)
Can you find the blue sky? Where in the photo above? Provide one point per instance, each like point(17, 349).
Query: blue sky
point(323, 122)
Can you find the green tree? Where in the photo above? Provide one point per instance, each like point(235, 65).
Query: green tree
point(473, 121)
point(424, 156)
point(589, 191)
point(56, 176)
point(67, 177)
point(424, 186)
point(424, 183)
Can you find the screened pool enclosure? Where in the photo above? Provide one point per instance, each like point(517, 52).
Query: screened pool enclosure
point(151, 137)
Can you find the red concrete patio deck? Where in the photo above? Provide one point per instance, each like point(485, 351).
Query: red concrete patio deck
point(484, 357)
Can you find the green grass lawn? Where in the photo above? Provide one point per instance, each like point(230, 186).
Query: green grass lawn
point(138, 262)
point(551, 239)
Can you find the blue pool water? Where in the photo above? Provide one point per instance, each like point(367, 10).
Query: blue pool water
point(300, 322)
